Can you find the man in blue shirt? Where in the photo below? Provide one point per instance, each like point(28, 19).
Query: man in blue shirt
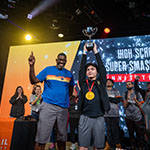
point(58, 85)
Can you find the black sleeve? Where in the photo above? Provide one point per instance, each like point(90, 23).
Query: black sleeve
point(24, 99)
point(138, 89)
point(136, 86)
point(101, 69)
point(82, 71)
point(13, 100)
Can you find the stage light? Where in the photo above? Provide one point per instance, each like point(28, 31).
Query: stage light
point(92, 12)
point(3, 16)
point(78, 11)
point(28, 37)
point(42, 6)
point(29, 16)
point(54, 25)
point(107, 30)
point(11, 3)
point(60, 35)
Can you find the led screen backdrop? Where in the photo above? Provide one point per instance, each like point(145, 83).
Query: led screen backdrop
point(124, 58)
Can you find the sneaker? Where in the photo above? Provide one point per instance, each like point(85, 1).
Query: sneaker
point(73, 146)
point(52, 147)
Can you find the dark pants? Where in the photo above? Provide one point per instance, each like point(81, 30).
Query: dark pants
point(138, 128)
point(35, 115)
point(113, 134)
point(73, 125)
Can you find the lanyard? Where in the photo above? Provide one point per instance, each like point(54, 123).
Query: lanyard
point(90, 89)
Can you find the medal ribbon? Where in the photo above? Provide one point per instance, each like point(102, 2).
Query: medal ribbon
point(90, 89)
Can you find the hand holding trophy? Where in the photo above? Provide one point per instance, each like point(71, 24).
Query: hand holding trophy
point(89, 32)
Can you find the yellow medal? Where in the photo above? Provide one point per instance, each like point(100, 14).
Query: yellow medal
point(89, 95)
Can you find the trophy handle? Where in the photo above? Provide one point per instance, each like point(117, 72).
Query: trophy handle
point(85, 33)
point(94, 31)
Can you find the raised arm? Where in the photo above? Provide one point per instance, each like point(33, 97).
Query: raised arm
point(33, 102)
point(33, 79)
point(82, 70)
point(137, 88)
point(101, 67)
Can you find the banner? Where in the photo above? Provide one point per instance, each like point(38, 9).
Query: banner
point(6, 130)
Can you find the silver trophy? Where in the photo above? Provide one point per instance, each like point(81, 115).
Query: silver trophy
point(89, 32)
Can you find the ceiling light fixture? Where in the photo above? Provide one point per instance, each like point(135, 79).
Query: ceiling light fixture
point(60, 35)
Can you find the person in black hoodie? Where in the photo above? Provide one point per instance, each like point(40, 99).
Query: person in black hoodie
point(18, 100)
point(93, 102)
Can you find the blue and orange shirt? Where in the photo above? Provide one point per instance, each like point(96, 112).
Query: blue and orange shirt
point(56, 85)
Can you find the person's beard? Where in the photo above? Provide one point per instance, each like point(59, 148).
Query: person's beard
point(130, 88)
point(60, 67)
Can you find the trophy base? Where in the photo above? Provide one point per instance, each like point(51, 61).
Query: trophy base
point(90, 46)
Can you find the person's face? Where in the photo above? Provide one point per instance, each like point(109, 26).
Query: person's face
point(129, 85)
point(91, 72)
point(148, 87)
point(19, 90)
point(109, 83)
point(37, 90)
point(61, 61)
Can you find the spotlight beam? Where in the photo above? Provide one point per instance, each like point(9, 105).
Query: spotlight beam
point(42, 7)
point(19, 27)
point(16, 25)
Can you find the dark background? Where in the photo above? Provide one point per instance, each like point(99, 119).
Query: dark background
point(123, 17)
